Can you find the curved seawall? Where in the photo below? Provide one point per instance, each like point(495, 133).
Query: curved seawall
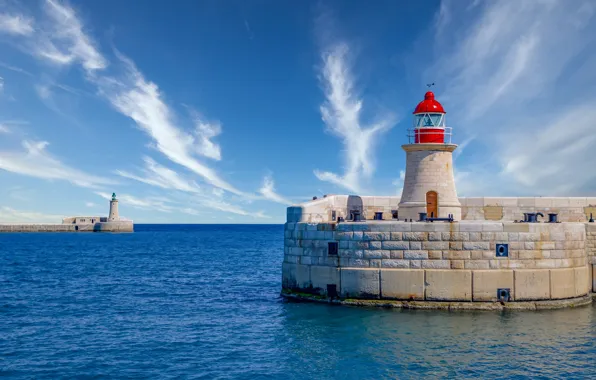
point(440, 262)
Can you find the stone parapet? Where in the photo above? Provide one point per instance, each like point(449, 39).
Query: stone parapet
point(569, 209)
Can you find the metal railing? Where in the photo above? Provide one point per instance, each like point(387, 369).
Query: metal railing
point(429, 131)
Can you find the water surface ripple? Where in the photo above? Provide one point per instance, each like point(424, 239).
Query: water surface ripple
point(203, 302)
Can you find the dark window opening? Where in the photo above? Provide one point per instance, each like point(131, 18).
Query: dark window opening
point(333, 248)
point(394, 214)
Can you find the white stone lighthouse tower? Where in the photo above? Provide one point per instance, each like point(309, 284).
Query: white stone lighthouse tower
point(429, 186)
point(113, 216)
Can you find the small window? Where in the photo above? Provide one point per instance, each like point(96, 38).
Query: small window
point(394, 214)
point(333, 215)
point(333, 248)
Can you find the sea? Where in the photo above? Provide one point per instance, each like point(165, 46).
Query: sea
point(202, 302)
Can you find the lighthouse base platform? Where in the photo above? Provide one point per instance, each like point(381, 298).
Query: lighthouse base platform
point(475, 262)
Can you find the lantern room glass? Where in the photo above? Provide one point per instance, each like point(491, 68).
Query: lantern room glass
point(429, 120)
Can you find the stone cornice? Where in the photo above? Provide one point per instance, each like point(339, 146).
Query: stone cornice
point(431, 147)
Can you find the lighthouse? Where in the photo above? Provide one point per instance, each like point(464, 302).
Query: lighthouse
point(429, 186)
point(113, 217)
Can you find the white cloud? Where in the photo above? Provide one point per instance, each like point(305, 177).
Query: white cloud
point(11, 215)
point(16, 24)
point(268, 191)
point(519, 86)
point(141, 100)
point(90, 204)
point(15, 69)
point(35, 161)
point(66, 41)
point(342, 113)
point(160, 176)
point(153, 204)
point(204, 133)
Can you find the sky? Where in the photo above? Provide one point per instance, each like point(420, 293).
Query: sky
point(229, 112)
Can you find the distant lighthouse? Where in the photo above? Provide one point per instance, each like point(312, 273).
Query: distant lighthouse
point(113, 216)
point(429, 186)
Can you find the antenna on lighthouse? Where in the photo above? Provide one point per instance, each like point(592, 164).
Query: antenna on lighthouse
point(429, 85)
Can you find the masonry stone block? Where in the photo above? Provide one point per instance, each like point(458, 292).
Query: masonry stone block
point(415, 236)
point(455, 236)
point(328, 261)
point(516, 227)
point(435, 255)
point(358, 263)
point(562, 283)
point(395, 245)
point(295, 276)
point(456, 255)
point(397, 254)
point(376, 254)
point(582, 280)
point(395, 263)
point(416, 255)
point(415, 245)
point(375, 263)
point(374, 245)
point(321, 276)
point(360, 283)
point(435, 245)
point(476, 264)
point(401, 227)
point(486, 283)
point(476, 245)
point(448, 285)
point(436, 264)
point(404, 284)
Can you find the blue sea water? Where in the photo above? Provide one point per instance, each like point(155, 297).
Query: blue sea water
point(200, 301)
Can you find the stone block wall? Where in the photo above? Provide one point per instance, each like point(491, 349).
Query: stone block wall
point(569, 209)
point(438, 261)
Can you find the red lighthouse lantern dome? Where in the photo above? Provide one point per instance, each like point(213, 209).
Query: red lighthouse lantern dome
point(429, 121)
point(429, 104)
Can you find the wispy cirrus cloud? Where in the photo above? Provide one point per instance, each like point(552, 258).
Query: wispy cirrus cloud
point(342, 114)
point(35, 161)
point(65, 41)
point(520, 86)
point(141, 100)
point(149, 203)
point(268, 192)
point(16, 24)
point(158, 175)
point(204, 133)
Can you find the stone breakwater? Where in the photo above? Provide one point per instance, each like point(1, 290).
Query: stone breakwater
point(119, 226)
point(440, 262)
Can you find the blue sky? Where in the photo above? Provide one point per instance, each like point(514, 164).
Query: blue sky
point(227, 112)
